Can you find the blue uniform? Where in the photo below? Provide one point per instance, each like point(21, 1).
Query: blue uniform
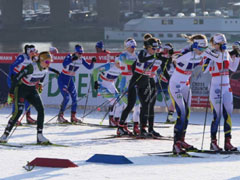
point(66, 80)
point(20, 63)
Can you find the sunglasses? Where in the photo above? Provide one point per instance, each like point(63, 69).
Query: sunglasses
point(47, 62)
point(202, 48)
point(33, 51)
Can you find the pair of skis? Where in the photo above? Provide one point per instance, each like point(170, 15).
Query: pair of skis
point(197, 151)
point(138, 137)
point(15, 145)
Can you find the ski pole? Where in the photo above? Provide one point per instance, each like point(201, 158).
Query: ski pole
point(104, 103)
point(16, 125)
point(68, 107)
point(206, 112)
point(220, 104)
point(124, 93)
point(87, 98)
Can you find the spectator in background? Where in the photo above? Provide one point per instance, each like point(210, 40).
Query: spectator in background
point(100, 47)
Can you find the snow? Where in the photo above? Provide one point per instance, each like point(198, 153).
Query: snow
point(83, 144)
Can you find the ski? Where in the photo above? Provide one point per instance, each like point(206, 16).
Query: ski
point(184, 155)
point(203, 151)
point(44, 144)
point(96, 125)
point(90, 124)
point(127, 137)
point(215, 152)
point(107, 126)
point(112, 137)
point(11, 145)
point(168, 138)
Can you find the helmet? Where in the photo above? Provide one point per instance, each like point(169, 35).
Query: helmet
point(45, 55)
point(147, 36)
point(131, 43)
point(236, 44)
point(152, 43)
point(99, 44)
point(79, 49)
point(219, 38)
point(168, 46)
point(30, 49)
point(53, 50)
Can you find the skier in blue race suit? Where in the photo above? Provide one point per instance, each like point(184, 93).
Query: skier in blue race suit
point(71, 64)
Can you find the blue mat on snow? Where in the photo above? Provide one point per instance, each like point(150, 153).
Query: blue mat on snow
point(109, 159)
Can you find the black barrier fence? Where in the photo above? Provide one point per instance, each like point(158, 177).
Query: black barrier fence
point(235, 86)
point(3, 83)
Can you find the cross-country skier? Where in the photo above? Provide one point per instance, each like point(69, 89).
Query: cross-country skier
point(105, 78)
point(127, 59)
point(143, 79)
point(218, 63)
point(100, 48)
point(131, 101)
point(23, 87)
point(20, 63)
point(163, 77)
point(71, 64)
point(179, 87)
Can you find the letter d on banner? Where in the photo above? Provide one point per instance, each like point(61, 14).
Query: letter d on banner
point(50, 85)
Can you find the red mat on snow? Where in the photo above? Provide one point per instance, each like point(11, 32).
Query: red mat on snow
point(52, 162)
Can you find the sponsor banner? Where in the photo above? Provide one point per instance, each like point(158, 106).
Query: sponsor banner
point(83, 78)
point(8, 58)
point(3, 79)
point(51, 95)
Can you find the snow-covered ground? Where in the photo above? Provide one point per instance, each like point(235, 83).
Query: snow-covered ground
point(83, 144)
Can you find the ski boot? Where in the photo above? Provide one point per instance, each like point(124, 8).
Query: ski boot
point(177, 148)
point(228, 146)
point(61, 119)
point(112, 121)
point(29, 119)
point(186, 146)
point(41, 139)
point(123, 130)
point(136, 130)
point(214, 146)
point(143, 132)
point(4, 138)
point(74, 119)
point(18, 123)
point(153, 133)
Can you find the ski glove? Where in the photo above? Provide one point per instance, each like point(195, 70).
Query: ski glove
point(171, 51)
point(10, 98)
point(94, 59)
point(158, 56)
point(40, 88)
point(74, 57)
point(96, 85)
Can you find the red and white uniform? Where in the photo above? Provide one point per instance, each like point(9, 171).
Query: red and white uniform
point(220, 90)
point(180, 89)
